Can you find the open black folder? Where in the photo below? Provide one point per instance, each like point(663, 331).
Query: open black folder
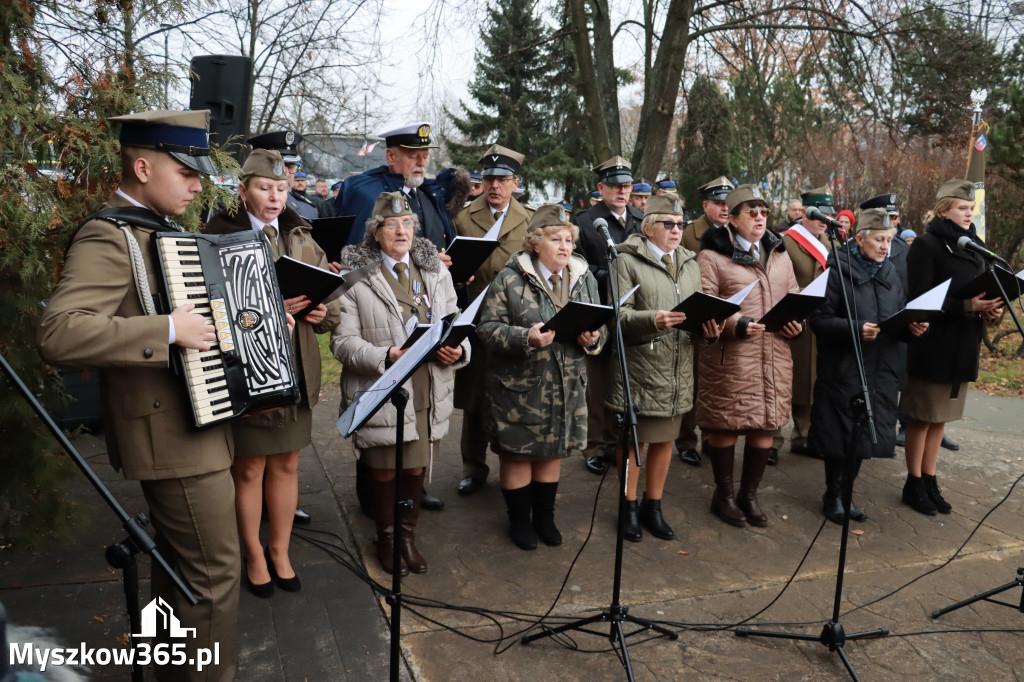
point(796, 306)
point(321, 286)
point(986, 282)
point(331, 234)
point(700, 307)
point(577, 317)
point(923, 308)
point(468, 254)
point(460, 327)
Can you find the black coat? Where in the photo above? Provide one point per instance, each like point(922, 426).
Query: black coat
point(593, 247)
point(874, 296)
point(948, 353)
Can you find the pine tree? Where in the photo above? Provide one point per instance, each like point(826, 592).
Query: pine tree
point(510, 104)
point(705, 138)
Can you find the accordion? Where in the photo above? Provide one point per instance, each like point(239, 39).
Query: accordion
point(231, 280)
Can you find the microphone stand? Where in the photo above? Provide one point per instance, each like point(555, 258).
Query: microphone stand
point(1019, 580)
point(122, 554)
point(616, 614)
point(832, 634)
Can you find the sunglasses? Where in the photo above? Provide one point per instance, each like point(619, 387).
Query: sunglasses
point(671, 224)
point(754, 212)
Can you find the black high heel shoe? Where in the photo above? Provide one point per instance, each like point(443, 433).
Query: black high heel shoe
point(293, 584)
point(263, 590)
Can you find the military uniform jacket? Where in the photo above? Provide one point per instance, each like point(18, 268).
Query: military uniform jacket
point(536, 400)
point(94, 319)
point(295, 241)
point(593, 247)
point(806, 268)
point(476, 219)
point(694, 231)
point(302, 205)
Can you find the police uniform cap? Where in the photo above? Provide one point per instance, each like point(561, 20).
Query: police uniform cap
point(744, 193)
point(820, 197)
point(664, 204)
point(284, 141)
point(596, 194)
point(185, 135)
point(957, 189)
point(498, 160)
point(548, 215)
point(299, 175)
point(667, 185)
point(412, 136)
point(475, 176)
point(392, 205)
point(890, 202)
point(337, 185)
point(716, 190)
point(614, 171)
point(642, 189)
point(264, 163)
point(872, 219)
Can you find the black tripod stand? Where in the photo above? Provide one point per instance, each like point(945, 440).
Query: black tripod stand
point(833, 635)
point(122, 554)
point(1019, 580)
point(617, 614)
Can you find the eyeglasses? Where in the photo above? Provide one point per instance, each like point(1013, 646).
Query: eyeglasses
point(754, 212)
point(393, 225)
point(503, 179)
point(671, 224)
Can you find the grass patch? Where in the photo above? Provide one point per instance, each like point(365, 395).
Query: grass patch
point(331, 367)
point(1001, 373)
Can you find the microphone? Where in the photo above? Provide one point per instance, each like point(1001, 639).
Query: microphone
point(814, 213)
point(969, 244)
point(601, 225)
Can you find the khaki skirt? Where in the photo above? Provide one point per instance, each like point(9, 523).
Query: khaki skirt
point(658, 429)
point(415, 453)
point(260, 441)
point(928, 401)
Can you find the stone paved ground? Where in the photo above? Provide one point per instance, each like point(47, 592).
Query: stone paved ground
point(711, 576)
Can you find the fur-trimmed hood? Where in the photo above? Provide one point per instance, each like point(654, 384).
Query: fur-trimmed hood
point(423, 254)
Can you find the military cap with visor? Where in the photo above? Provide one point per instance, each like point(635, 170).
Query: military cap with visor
point(667, 185)
point(284, 141)
point(821, 197)
point(614, 171)
point(264, 163)
point(664, 204)
point(742, 194)
point(716, 190)
point(500, 160)
point(642, 189)
point(412, 136)
point(872, 219)
point(185, 135)
point(957, 189)
point(890, 202)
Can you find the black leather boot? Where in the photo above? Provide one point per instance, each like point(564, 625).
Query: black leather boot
point(383, 498)
point(544, 513)
point(652, 520)
point(855, 513)
point(832, 501)
point(723, 503)
point(412, 486)
point(519, 501)
point(631, 523)
point(915, 495)
point(754, 462)
point(931, 488)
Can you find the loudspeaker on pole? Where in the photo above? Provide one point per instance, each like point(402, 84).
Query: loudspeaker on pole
point(223, 84)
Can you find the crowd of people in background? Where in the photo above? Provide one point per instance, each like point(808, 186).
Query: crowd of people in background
point(531, 398)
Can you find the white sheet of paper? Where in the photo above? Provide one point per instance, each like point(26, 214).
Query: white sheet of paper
point(469, 314)
point(494, 231)
point(738, 297)
point(628, 294)
point(818, 286)
point(931, 299)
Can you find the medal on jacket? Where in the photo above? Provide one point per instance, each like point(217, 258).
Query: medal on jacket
point(417, 297)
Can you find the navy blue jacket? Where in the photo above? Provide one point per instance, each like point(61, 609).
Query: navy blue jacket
point(359, 192)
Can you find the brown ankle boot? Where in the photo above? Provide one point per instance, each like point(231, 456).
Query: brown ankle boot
point(754, 462)
point(723, 504)
point(384, 516)
point(413, 490)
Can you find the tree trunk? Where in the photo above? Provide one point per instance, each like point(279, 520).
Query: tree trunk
point(660, 106)
point(607, 83)
point(588, 81)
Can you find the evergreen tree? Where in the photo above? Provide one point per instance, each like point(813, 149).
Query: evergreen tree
point(705, 138)
point(511, 105)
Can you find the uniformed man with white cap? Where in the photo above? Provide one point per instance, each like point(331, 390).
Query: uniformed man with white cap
point(97, 317)
point(434, 200)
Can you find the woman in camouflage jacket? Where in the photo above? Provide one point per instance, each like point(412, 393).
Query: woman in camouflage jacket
point(536, 412)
